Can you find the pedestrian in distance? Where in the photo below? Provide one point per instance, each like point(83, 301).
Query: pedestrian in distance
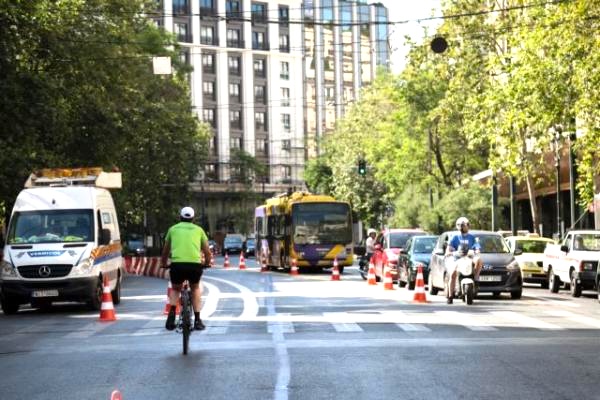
point(185, 244)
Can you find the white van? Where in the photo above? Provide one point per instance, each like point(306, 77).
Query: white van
point(62, 240)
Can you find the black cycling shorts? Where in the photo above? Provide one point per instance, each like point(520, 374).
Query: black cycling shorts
point(181, 271)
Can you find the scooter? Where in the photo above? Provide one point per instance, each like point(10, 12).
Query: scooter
point(465, 271)
point(363, 266)
point(465, 287)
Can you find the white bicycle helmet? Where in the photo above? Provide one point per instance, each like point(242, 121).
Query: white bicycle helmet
point(461, 221)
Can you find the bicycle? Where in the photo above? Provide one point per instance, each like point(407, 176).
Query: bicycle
point(184, 324)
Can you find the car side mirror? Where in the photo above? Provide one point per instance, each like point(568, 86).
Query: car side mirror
point(105, 237)
point(403, 251)
point(564, 248)
point(439, 252)
point(518, 252)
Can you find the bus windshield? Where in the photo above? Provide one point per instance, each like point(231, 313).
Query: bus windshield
point(321, 223)
point(51, 226)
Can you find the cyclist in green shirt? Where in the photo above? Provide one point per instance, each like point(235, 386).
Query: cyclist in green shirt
point(184, 243)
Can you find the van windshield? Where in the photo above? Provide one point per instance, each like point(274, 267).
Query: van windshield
point(51, 226)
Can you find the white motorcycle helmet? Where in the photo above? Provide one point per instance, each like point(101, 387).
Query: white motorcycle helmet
point(461, 221)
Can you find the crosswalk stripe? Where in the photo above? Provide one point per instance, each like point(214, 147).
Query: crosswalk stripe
point(467, 320)
point(151, 326)
point(347, 327)
point(217, 330)
point(88, 330)
point(580, 319)
point(413, 327)
point(525, 320)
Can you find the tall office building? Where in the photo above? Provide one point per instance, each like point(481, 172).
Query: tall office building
point(263, 73)
point(346, 42)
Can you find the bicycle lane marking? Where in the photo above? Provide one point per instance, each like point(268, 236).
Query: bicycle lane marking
point(277, 329)
point(248, 297)
point(211, 301)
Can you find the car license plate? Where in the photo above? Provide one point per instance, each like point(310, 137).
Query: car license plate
point(490, 278)
point(45, 293)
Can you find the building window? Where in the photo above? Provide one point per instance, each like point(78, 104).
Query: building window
point(286, 144)
point(234, 91)
point(284, 15)
point(208, 89)
point(260, 120)
point(262, 146)
point(180, 7)
point(285, 97)
point(181, 30)
point(236, 143)
point(233, 9)
point(285, 70)
point(233, 38)
point(212, 146)
point(234, 65)
point(285, 122)
point(258, 40)
point(207, 35)
point(286, 172)
point(259, 68)
point(260, 94)
point(207, 7)
point(235, 119)
point(284, 43)
point(210, 171)
point(184, 57)
point(329, 92)
point(208, 116)
point(259, 12)
point(208, 63)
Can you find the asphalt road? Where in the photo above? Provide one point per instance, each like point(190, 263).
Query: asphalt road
point(276, 336)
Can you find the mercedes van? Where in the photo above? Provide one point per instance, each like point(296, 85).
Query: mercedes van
point(62, 240)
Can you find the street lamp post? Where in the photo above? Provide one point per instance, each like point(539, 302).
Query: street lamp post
point(556, 145)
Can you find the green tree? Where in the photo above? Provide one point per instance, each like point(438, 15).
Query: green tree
point(78, 90)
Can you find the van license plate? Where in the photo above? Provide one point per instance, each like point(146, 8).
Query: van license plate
point(45, 293)
point(490, 278)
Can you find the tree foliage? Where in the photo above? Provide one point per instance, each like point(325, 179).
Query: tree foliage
point(79, 90)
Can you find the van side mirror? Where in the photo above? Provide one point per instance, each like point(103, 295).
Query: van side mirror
point(105, 237)
point(518, 252)
point(438, 251)
point(564, 248)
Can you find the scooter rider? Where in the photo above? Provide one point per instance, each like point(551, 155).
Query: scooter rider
point(459, 242)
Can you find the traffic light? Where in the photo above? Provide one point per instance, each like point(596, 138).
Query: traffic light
point(362, 167)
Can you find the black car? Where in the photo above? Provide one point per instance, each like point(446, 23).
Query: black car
point(500, 272)
point(250, 246)
point(418, 252)
point(232, 244)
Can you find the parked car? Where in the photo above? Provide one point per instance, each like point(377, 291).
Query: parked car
point(135, 247)
point(233, 243)
point(393, 241)
point(250, 246)
point(531, 260)
point(574, 262)
point(418, 252)
point(500, 272)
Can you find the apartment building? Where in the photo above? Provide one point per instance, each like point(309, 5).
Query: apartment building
point(264, 73)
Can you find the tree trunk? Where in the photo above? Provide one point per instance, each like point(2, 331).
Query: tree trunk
point(532, 202)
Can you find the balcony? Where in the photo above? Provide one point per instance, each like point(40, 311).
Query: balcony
point(260, 45)
point(207, 12)
point(237, 43)
point(259, 18)
point(284, 49)
point(209, 40)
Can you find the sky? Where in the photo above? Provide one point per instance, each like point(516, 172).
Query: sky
point(402, 10)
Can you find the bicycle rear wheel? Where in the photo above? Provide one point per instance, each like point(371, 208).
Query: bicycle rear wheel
point(186, 319)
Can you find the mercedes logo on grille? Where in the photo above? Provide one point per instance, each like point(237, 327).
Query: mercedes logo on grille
point(488, 267)
point(44, 271)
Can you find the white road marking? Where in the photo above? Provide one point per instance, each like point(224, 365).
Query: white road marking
point(413, 327)
point(88, 330)
point(211, 301)
point(580, 319)
point(248, 297)
point(343, 322)
point(152, 327)
point(468, 320)
point(526, 321)
point(281, 326)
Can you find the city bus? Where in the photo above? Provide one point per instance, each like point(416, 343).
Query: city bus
point(311, 229)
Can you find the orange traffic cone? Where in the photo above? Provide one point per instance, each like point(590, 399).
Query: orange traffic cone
point(335, 272)
point(168, 304)
point(388, 284)
point(107, 309)
point(226, 262)
point(294, 269)
point(116, 395)
point(242, 261)
point(371, 278)
point(420, 296)
point(263, 266)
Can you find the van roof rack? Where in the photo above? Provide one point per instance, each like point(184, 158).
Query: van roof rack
point(93, 176)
